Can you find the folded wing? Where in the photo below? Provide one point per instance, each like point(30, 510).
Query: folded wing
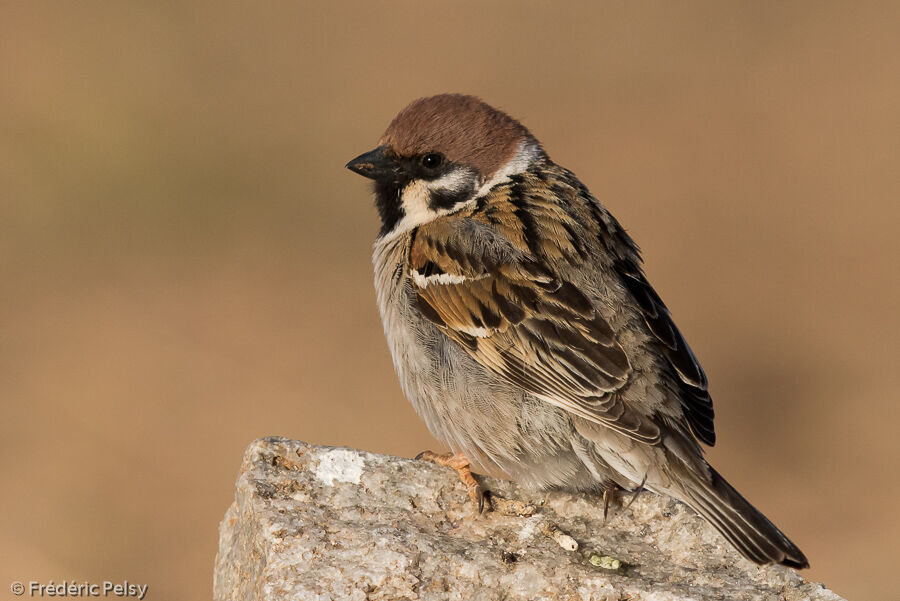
point(525, 324)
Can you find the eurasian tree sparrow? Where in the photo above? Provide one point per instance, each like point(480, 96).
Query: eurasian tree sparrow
point(522, 327)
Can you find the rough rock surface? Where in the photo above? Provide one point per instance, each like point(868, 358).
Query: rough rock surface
point(323, 523)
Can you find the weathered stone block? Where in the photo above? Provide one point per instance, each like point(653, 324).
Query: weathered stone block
point(322, 523)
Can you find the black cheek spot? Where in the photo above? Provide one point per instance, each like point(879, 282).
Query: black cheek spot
point(446, 198)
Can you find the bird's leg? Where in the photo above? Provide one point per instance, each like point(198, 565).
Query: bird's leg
point(610, 489)
point(634, 493)
point(460, 463)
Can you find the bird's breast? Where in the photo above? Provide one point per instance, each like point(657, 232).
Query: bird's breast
point(414, 343)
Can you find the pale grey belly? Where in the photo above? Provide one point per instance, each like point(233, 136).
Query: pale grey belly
point(478, 413)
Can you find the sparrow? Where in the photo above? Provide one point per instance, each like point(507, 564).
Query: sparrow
point(522, 327)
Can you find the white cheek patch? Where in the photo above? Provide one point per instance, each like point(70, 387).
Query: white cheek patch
point(455, 181)
point(416, 197)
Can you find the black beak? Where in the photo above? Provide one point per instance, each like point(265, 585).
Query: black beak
point(375, 164)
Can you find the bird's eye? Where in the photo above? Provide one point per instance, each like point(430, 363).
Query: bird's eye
point(432, 161)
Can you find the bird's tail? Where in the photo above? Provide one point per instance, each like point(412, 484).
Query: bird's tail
point(745, 527)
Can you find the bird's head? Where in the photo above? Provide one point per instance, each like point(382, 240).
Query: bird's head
point(438, 154)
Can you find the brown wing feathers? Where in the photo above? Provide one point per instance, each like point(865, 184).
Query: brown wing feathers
point(515, 318)
point(692, 382)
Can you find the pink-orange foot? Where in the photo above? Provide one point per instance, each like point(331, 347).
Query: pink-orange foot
point(460, 463)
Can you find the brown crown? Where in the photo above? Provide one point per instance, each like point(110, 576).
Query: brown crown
point(462, 128)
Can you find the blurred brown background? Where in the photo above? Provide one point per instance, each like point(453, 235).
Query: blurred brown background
point(185, 263)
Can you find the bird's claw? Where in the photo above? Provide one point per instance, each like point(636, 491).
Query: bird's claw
point(478, 494)
point(460, 463)
point(612, 491)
